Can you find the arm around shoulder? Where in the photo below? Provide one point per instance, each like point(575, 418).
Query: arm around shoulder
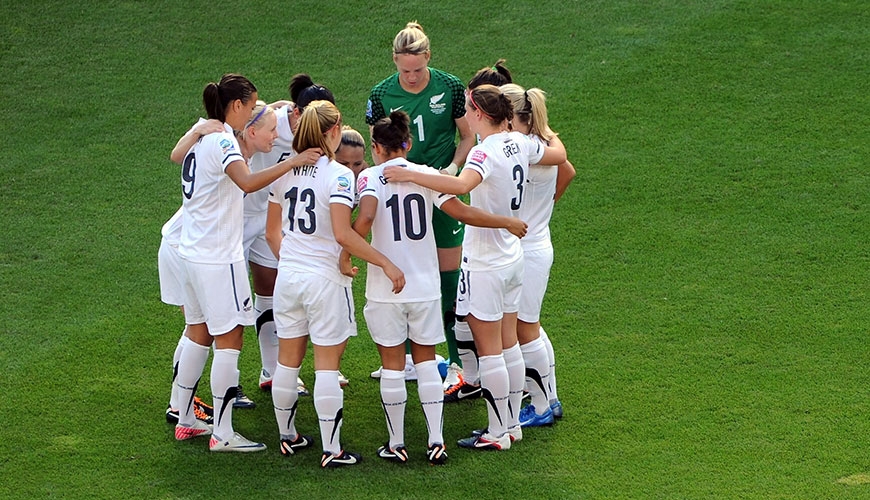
point(473, 216)
point(554, 154)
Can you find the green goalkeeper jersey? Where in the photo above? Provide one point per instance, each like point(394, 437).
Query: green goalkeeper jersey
point(432, 112)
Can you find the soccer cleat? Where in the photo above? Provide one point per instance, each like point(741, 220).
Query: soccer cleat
point(237, 443)
point(461, 392)
point(329, 461)
point(300, 387)
point(556, 406)
point(200, 413)
point(201, 405)
point(454, 376)
point(530, 418)
point(342, 380)
point(410, 370)
point(399, 455)
point(199, 428)
point(291, 446)
point(172, 415)
point(437, 454)
point(486, 441)
point(442, 366)
point(515, 433)
point(242, 400)
point(265, 380)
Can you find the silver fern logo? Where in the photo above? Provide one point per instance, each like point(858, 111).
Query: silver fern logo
point(435, 105)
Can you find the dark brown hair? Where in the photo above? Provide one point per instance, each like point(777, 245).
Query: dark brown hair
point(303, 91)
point(393, 132)
point(489, 100)
point(217, 96)
point(497, 75)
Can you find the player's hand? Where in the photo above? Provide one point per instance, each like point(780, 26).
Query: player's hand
point(345, 266)
point(398, 174)
point(307, 157)
point(517, 227)
point(451, 169)
point(348, 269)
point(396, 276)
point(208, 127)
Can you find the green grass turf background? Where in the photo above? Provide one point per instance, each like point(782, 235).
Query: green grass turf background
point(707, 304)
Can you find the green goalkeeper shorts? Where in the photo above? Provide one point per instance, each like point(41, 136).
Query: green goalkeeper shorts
point(448, 231)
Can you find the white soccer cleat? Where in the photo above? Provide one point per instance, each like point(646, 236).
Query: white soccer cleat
point(237, 443)
point(454, 376)
point(198, 428)
point(300, 387)
point(265, 380)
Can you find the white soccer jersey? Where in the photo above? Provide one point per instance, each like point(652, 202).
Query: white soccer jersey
point(402, 230)
point(537, 206)
point(503, 161)
point(257, 202)
point(211, 231)
point(305, 194)
point(171, 230)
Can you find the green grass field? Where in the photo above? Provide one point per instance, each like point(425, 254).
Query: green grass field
point(709, 298)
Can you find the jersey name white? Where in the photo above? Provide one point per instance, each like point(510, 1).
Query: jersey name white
point(309, 243)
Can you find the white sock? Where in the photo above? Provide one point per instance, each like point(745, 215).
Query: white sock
point(467, 354)
point(190, 366)
point(394, 397)
point(494, 380)
point(551, 390)
point(537, 373)
point(176, 358)
point(224, 381)
point(267, 335)
point(284, 399)
point(516, 368)
point(329, 403)
point(432, 399)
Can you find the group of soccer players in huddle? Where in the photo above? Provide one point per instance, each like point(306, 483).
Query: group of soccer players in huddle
point(272, 188)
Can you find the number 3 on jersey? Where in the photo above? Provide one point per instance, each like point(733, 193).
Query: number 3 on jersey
point(307, 224)
point(519, 178)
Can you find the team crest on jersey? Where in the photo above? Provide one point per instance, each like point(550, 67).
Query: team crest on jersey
point(435, 105)
point(343, 185)
point(226, 145)
point(478, 156)
point(361, 183)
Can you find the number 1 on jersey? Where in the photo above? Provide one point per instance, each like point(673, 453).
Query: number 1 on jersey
point(421, 135)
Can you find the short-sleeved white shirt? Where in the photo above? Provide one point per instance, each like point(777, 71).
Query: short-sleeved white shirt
point(537, 206)
point(305, 194)
point(257, 202)
point(502, 160)
point(211, 231)
point(402, 231)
